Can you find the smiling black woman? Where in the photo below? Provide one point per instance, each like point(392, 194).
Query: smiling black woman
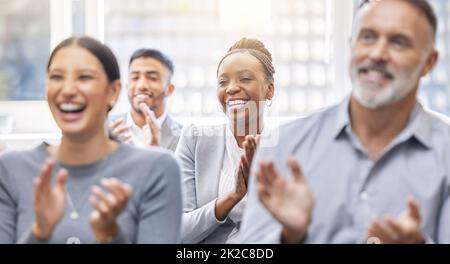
point(216, 160)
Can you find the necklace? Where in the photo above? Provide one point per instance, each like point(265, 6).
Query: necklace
point(74, 212)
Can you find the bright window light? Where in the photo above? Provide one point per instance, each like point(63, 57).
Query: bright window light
point(238, 15)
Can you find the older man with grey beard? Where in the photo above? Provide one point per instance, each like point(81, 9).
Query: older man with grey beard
point(376, 167)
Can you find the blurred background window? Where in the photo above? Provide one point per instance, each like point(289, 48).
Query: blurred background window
point(24, 48)
point(197, 33)
point(434, 90)
point(301, 34)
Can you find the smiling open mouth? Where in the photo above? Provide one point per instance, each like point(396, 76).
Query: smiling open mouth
point(142, 96)
point(70, 108)
point(377, 73)
point(237, 103)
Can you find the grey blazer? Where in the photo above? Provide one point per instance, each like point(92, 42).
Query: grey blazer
point(201, 153)
point(170, 130)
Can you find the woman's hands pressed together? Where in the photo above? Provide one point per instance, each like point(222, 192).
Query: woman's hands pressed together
point(49, 204)
point(226, 204)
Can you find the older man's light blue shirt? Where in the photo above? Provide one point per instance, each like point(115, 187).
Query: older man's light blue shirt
point(351, 190)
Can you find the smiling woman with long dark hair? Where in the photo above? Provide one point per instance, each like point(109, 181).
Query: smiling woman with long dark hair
point(88, 188)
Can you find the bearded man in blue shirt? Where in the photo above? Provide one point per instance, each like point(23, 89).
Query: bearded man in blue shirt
point(376, 167)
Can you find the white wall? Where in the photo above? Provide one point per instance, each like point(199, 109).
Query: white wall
point(29, 116)
point(32, 122)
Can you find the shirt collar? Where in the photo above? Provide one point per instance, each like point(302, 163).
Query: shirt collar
point(342, 118)
point(419, 124)
point(129, 120)
point(230, 141)
point(160, 120)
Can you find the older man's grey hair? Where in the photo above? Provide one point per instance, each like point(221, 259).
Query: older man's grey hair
point(421, 5)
